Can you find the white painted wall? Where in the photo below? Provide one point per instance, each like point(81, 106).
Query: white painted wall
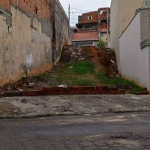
point(134, 61)
point(122, 12)
point(114, 28)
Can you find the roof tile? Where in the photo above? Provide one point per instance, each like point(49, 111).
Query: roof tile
point(85, 36)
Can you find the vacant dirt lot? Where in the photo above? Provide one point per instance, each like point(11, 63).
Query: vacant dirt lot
point(78, 66)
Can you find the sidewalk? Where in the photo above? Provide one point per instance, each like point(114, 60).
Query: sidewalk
point(72, 105)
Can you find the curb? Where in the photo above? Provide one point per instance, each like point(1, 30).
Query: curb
point(46, 91)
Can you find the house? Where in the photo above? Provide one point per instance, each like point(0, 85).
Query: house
point(74, 29)
point(122, 12)
point(134, 47)
point(85, 38)
point(92, 27)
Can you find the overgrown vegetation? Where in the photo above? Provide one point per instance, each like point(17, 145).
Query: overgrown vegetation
point(120, 82)
point(84, 82)
point(101, 44)
point(83, 74)
point(83, 68)
point(74, 74)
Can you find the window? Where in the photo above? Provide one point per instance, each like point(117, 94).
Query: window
point(89, 17)
point(87, 26)
point(102, 11)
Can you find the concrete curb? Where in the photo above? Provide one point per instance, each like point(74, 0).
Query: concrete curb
point(72, 114)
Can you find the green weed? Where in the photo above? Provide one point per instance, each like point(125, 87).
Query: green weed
point(120, 82)
point(84, 82)
point(82, 68)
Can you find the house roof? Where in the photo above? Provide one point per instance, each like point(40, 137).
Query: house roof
point(103, 30)
point(85, 36)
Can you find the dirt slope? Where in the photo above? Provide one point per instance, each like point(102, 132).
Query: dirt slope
point(78, 66)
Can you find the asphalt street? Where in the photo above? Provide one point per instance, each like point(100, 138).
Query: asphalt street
point(105, 131)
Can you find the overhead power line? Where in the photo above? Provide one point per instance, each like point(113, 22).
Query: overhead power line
point(80, 9)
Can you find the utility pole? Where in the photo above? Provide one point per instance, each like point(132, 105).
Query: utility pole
point(99, 31)
point(69, 13)
point(149, 20)
point(108, 25)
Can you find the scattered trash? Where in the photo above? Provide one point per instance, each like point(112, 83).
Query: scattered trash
point(63, 86)
point(31, 84)
point(15, 111)
point(70, 67)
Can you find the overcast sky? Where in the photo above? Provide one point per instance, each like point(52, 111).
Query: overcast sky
point(81, 6)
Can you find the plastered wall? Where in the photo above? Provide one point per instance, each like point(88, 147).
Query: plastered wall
point(122, 12)
point(27, 32)
point(24, 48)
point(61, 29)
point(134, 61)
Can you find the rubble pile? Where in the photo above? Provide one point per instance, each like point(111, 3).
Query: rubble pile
point(100, 57)
point(108, 61)
point(25, 83)
point(71, 54)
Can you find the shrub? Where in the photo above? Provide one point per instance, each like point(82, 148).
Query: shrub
point(101, 44)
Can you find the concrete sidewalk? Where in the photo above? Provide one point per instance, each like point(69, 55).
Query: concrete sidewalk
point(72, 105)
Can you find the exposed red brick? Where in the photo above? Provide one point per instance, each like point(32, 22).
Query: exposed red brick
point(67, 91)
point(33, 93)
point(12, 94)
point(41, 8)
point(5, 4)
point(85, 19)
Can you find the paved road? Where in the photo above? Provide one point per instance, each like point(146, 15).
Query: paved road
point(121, 131)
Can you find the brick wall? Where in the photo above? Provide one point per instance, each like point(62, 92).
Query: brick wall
point(5, 4)
point(95, 16)
point(41, 8)
point(104, 14)
point(85, 19)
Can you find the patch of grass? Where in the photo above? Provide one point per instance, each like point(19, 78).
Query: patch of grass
point(46, 75)
point(119, 81)
point(83, 82)
point(82, 68)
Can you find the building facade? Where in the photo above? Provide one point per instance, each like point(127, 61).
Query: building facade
point(85, 38)
point(32, 34)
point(95, 21)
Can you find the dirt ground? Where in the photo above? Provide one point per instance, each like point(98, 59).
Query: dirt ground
point(104, 61)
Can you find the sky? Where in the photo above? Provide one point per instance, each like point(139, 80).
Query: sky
point(81, 6)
